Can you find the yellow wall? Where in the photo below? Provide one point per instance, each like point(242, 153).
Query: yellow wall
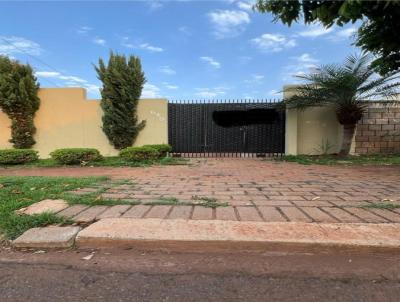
point(66, 119)
point(308, 129)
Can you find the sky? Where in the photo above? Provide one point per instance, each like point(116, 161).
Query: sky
point(188, 49)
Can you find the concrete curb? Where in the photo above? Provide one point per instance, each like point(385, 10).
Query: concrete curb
point(233, 236)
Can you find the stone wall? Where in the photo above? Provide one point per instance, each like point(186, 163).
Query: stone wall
point(379, 130)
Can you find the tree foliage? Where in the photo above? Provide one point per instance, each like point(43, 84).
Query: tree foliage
point(378, 34)
point(123, 81)
point(346, 88)
point(19, 100)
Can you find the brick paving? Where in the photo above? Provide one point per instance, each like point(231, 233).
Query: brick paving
point(254, 189)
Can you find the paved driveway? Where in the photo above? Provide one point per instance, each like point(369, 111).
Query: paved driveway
point(256, 190)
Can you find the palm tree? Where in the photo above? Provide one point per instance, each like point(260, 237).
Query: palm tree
point(346, 88)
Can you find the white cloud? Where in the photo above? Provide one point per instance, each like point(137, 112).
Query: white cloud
point(18, 45)
point(70, 81)
point(154, 4)
point(211, 92)
point(273, 42)
point(99, 41)
point(167, 70)
point(344, 34)
point(228, 23)
point(300, 65)
point(315, 30)
point(274, 93)
point(170, 86)
point(83, 30)
point(146, 46)
point(150, 91)
point(59, 76)
point(255, 79)
point(305, 58)
point(211, 61)
point(185, 30)
point(246, 5)
point(150, 48)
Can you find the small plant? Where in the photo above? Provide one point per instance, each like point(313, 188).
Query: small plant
point(139, 153)
point(73, 156)
point(208, 202)
point(163, 149)
point(17, 156)
point(324, 147)
point(381, 205)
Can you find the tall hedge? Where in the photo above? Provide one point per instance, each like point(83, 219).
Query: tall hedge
point(19, 100)
point(123, 81)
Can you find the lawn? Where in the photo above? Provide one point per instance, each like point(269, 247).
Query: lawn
point(377, 159)
point(108, 161)
point(19, 192)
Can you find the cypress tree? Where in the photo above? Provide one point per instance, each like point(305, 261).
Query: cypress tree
point(19, 100)
point(123, 81)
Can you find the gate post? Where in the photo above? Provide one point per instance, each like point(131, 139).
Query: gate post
point(291, 124)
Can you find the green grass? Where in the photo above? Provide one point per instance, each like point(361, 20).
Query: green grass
point(381, 205)
point(196, 200)
point(18, 192)
point(108, 161)
point(377, 159)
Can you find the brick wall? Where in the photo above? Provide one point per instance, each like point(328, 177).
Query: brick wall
point(379, 130)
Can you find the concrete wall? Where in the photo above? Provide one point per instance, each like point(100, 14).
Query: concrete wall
point(67, 119)
point(307, 130)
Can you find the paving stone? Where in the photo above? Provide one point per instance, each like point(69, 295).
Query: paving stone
point(89, 214)
point(248, 214)
point(47, 205)
point(47, 237)
point(195, 235)
point(271, 214)
point(159, 211)
point(114, 211)
point(342, 215)
point(318, 215)
point(295, 215)
point(394, 217)
point(180, 212)
point(114, 195)
point(137, 211)
point(366, 215)
point(73, 210)
point(225, 213)
point(273, 203)
point(202, 213)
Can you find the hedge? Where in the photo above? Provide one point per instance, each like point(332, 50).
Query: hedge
point(17, 156)
point(163, 149)
point(139, 153)
point(71, 156)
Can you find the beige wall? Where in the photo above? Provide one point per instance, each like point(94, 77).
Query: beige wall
point(66, 119)
point(307, 130)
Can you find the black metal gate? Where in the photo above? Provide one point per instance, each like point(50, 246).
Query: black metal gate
point(233, 128)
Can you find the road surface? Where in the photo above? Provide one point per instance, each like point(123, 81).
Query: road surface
point(127, 275)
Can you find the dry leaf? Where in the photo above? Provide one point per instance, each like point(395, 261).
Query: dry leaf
point(315, 198)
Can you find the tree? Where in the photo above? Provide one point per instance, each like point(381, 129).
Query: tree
point(345, 87)
point(123, 81)
point(378, 34)
point(19, 100)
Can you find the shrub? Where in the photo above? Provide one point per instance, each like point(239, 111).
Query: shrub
point(19, 100)
point(17, 156)
point(139, 153)
point(71, 156)
point(163, 149)
point(123, 81)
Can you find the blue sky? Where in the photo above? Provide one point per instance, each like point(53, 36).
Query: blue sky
point(189, 49)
